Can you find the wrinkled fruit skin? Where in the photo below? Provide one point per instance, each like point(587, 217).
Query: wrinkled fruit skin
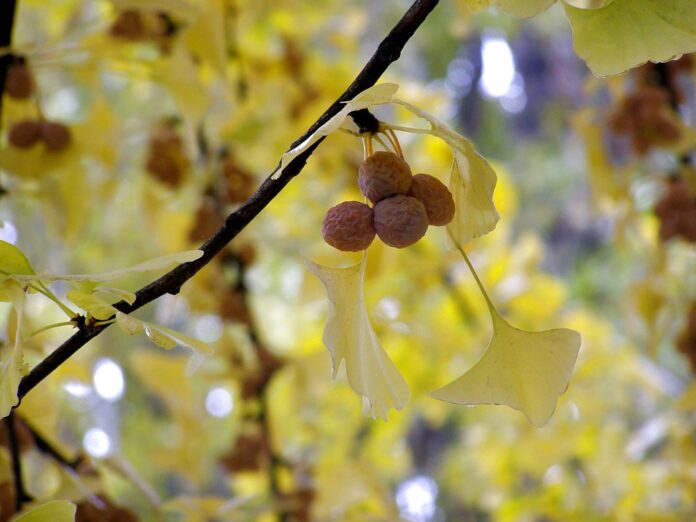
point(435, 196)
point(55, 136)
point(19, 83)
point(382, 175)
point(349, 226)
point(400, 221)
point(25, 134)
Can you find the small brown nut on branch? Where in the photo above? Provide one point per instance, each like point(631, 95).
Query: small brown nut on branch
point(400, 221)
point(19, 83)
point(382, 175)
point(25, 134)
point(435, 196)
point(55, 136)
point(349, 226)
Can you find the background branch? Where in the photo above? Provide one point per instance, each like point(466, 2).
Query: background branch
point(387, 52)
point(7, 15)
point(45, 447)
point(21, 496)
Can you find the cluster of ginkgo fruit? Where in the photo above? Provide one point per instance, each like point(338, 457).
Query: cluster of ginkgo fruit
point(403, 205)
point(647, 115)
point(24, 134)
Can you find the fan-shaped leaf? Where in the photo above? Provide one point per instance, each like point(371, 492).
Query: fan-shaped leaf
point(626, 33)
point(349, 336)
point(527, 371)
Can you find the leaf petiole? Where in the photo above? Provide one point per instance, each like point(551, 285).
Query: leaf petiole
point(49, 327)
point(381, 142)
point(490, 304)
point(43, 289)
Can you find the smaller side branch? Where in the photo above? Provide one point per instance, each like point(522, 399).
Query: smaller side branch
point(47, 448)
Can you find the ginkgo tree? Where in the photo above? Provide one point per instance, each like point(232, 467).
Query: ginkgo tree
point(179, 103)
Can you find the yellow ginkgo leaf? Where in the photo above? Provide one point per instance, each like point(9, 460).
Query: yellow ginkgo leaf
point(158, 337)
point(349, 336)
point(165, 338)
point(11, 357)
point(53, 511)
point(129, 324)
point(37, 161)
point(472, 181)
point(519, 8)
point(93, 305)
point(128, 297)
point(158, 263)
point(203, 508)
point(688, 399)
point(206, 36)
point(13, 261)
point(178, 72)
point(626, 33)
point(183, 339)
point(527, 371)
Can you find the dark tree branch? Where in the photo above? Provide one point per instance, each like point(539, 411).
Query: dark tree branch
point(7, 15)
point(387, 52)
point(21, 496)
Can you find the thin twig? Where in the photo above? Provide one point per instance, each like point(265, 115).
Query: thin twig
point(387, 52)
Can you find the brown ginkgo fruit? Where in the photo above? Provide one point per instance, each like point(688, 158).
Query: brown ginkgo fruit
point(55, 135)
point(435, 196)
point(25, 134)
point(349, 226)
point(19, 82)
point(400, 221)
point(384, 174)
